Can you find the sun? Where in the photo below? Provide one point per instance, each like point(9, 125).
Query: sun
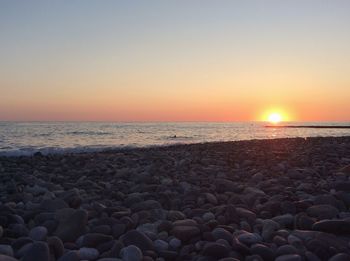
point(275, 117)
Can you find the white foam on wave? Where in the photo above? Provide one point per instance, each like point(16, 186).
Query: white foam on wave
point(56, 150)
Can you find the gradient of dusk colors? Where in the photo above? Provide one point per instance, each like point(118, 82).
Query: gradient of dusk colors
point(174, 60)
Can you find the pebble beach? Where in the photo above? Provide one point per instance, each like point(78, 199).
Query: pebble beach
point(278, 199)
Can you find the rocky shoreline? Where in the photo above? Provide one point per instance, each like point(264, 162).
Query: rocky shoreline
point(282, 199)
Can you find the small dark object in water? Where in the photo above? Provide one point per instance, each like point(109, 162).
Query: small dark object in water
point(38, 154)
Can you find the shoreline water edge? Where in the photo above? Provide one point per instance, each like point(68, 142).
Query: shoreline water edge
point(273, 199)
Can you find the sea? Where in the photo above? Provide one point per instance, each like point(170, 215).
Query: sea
point(27, 138)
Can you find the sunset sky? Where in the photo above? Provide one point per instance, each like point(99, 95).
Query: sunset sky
point(174, 60)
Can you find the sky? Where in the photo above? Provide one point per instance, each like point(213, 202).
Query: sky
point(195, 60)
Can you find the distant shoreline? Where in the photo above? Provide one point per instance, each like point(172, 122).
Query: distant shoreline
point(308, 126)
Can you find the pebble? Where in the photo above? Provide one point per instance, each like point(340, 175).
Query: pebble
point(340, 257)
point(263, 251)
point(131, 253)
point(38, 233)
point(208, 216)
point(185, 233)
point(87, 253)
point(56, 246)
point(70, 256)
point(72, 226)
point(248, 238)
point(7, 258)
point(322, 211)
point(215, 250)
point(94, 239)
point(269, 227)
point(37, 251)
point(6, 250)
point(160, 245)
point(333, 226)
point(221, 233)
point(138, 239)
point(286, 249)
point(289, 258)
point(175, 243)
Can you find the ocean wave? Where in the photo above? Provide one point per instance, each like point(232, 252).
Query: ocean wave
point(91, 133)
point(57, 150)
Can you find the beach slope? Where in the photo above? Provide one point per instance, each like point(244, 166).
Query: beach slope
point(282, 199)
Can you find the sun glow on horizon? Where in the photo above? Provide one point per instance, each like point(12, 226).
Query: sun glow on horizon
point(275, 118)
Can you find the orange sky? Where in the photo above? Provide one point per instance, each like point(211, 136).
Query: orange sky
point(175, 61)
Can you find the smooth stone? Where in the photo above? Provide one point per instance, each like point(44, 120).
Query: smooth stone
point(185, 222)
point(38, 251)
point(185, 233)
point(311, 256)
point(174, 215)
point(102, 229)
point(286, 250)
point(215, 250)
point(114, 250)
point(253, 258)
point(322, 211)
point(7, 258)
point(94, 239)
point(6, 250)
point(303, 221)
point(148, 227)
point(18, 230)
point(248, 238)
point(72, 226)
point(23, 250)
point(139, 239)
point(52, 205)
point(342, 186)
point(175, 243)
point(38, 233)
point(145, 205)
point(295, 174)
point(284, 220)
point(221, 233)
point(289, 258)
point(269, 227)
point(279, 240)
point(330, 200)
point(211, 198)
point(254, 191)
point(56, 246)
point(246, 214)
point(208, 216)
point(109, 259)
point(118, 230)
point(223, 185)
point(160, 245)
point(333, 226)
point(167, 255)
point(265, 252)
point(70, 256)
point(87, 253)
point(131, 253)
point(340, 257)
point(256, 178)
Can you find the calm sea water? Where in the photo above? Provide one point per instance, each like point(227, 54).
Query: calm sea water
point(26, 138)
